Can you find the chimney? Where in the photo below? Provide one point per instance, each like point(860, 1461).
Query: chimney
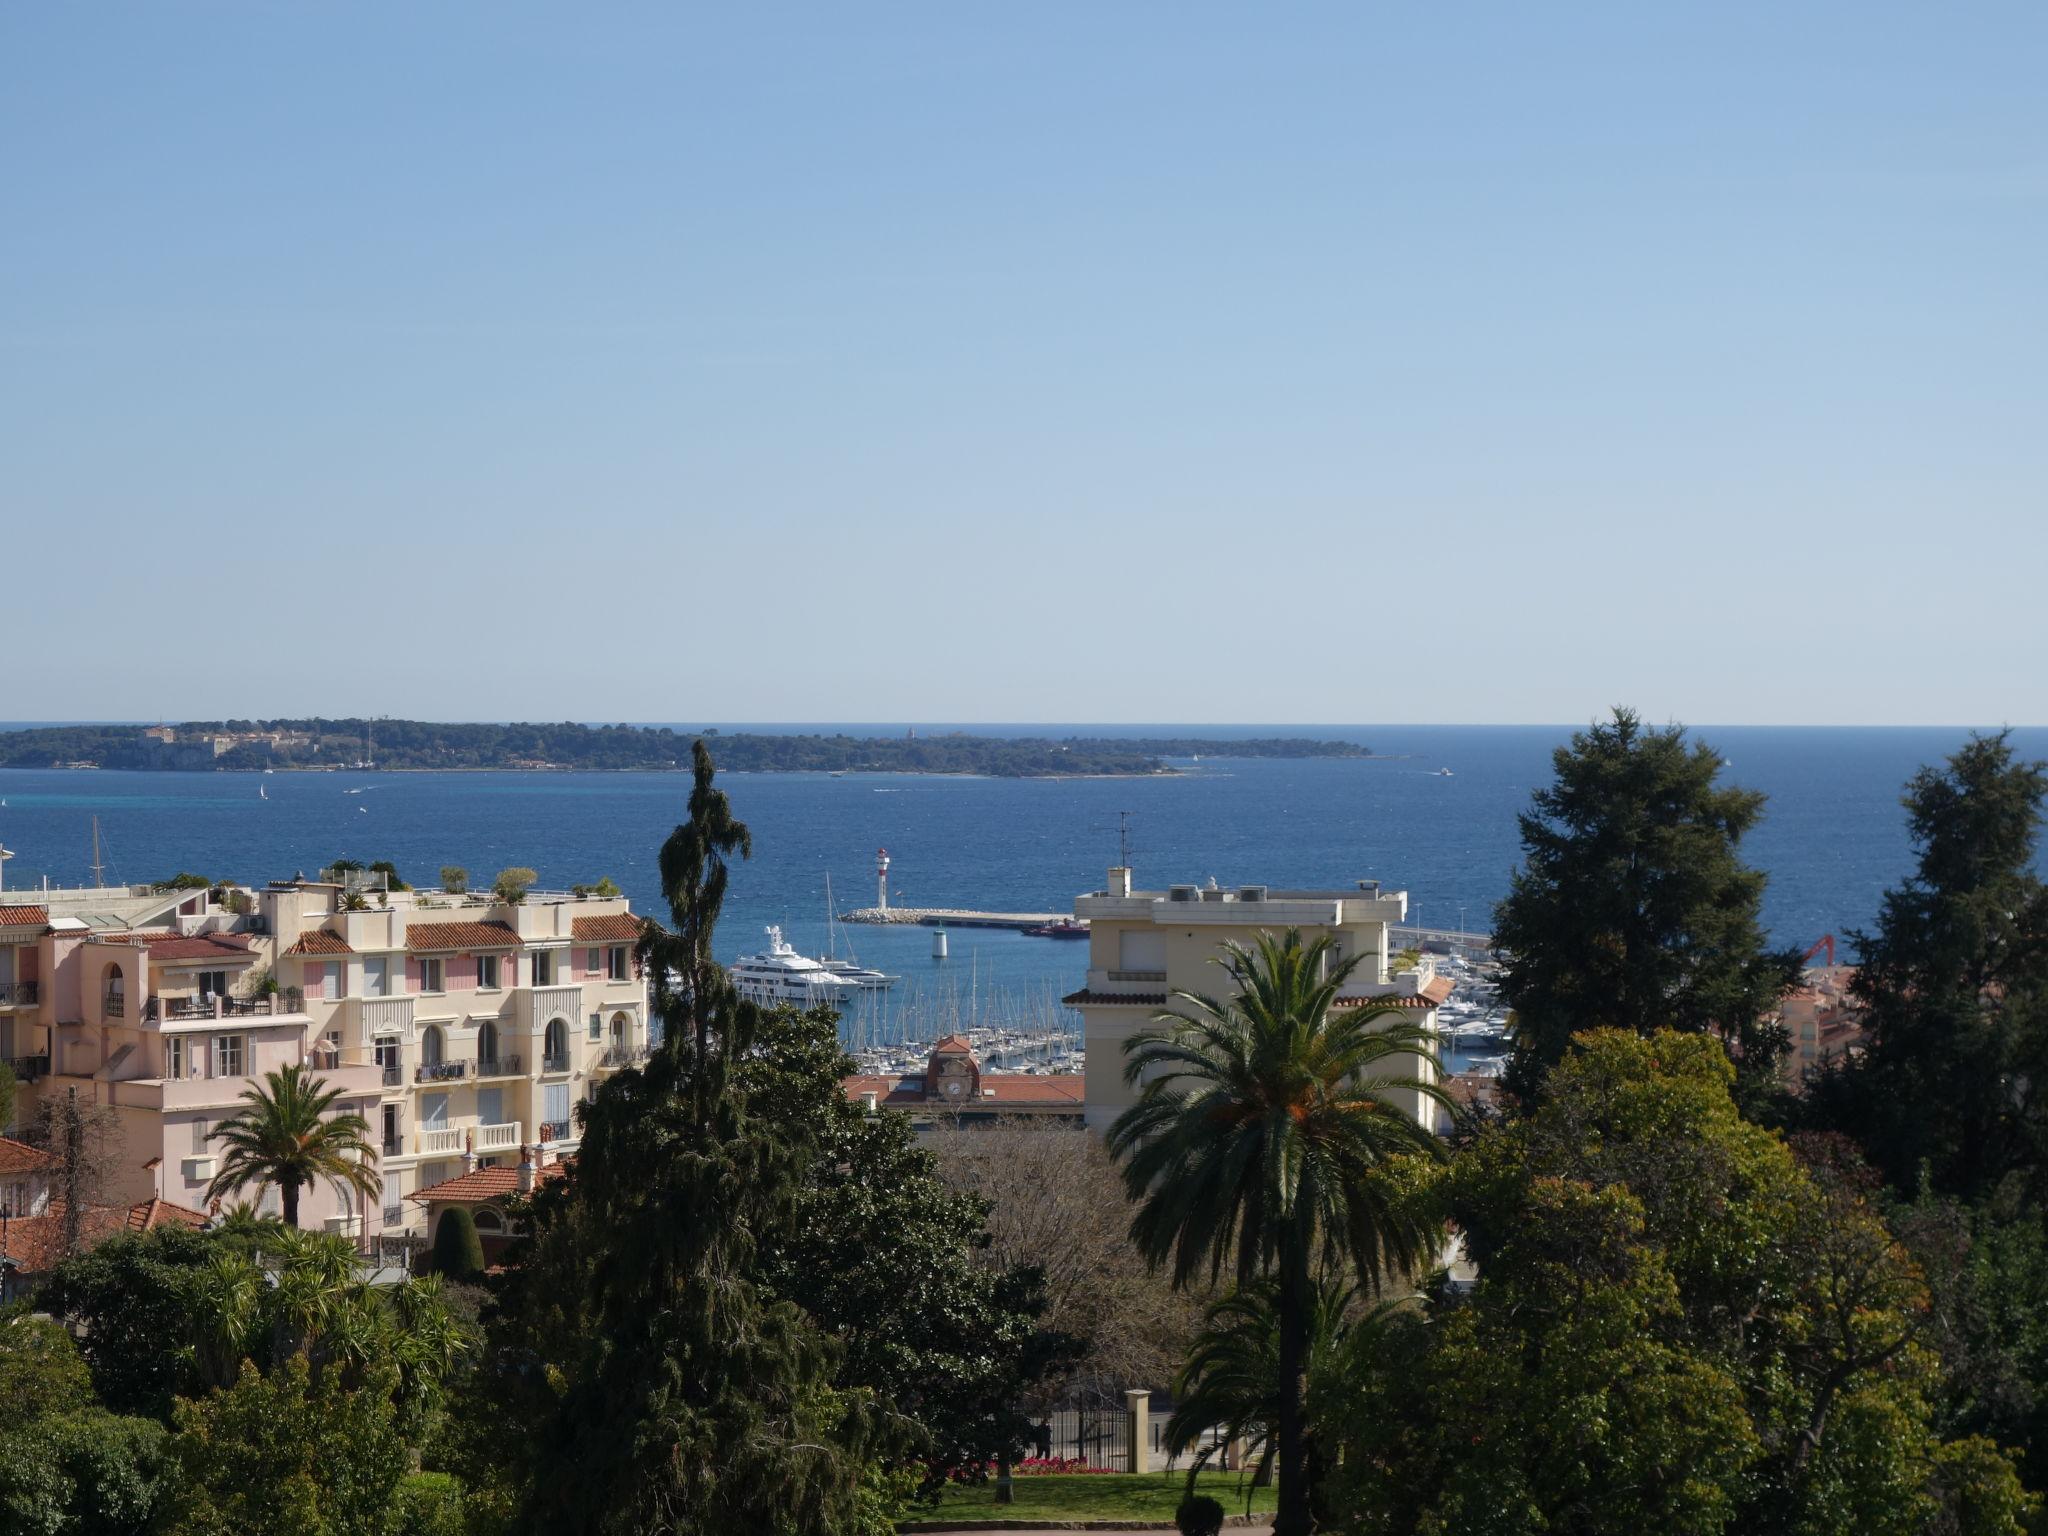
point(526, 1170)
point(1119, 880)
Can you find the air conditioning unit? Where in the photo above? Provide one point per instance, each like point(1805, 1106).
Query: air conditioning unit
point(1182, 893)
point(1214, 895)
point(1251, 893)
point(1370, 887)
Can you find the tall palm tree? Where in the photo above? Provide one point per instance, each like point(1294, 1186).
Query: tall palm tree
point(286, 1139)
point(1263, 1119)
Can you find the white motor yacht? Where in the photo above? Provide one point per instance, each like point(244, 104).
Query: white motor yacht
point(780, 975)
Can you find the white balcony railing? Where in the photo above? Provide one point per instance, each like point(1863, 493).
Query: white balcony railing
point(497, 1138)
point(434, 1143)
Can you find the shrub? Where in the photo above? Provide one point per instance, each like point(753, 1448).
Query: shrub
point(454, 879)
point(458, 1251)
point(512, 884)
point(1198, 1515)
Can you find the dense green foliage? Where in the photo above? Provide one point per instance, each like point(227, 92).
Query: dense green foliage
point(1953, 988)
point(1631, 909)
point(1678, 1325)
point(1261, 1137)
point(458, 1251)
point(423, 744)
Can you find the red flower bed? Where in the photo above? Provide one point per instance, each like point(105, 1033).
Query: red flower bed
point(1032, 1465)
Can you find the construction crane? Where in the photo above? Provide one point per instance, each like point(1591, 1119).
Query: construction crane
point(1827, 943)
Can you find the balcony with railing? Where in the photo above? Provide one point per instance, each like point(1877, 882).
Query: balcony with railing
point(440, 1071)
point(394, 1075)
point(394, 1145)
point(554, 1130)
point(498, 1138)
point(555, 1063)
point(18, 994)
point(440, 1141)
point(504, 1064)
point(187, 1009)
point(27, 1069)
point(625, 1055)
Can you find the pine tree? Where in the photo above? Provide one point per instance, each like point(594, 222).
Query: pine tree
point(1632, 911)
point(1953, 985)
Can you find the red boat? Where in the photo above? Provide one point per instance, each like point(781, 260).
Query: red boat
point(1065, 928)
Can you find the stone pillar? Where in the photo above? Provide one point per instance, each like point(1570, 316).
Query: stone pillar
point(1139, 1403)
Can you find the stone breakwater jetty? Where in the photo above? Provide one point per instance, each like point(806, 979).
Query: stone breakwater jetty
point(951, 917)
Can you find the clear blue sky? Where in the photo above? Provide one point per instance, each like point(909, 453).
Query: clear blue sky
point(1027, 362)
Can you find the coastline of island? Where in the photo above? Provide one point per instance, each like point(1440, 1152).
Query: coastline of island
point(319, 745)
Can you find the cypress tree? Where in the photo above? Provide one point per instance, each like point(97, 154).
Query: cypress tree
point(458, 1251)
point(679, 1395)
point(1632, 910)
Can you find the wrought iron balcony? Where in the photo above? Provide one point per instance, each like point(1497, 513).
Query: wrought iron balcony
point(554, 1130)
point(504, 1064)
point(440, 1071)
point(17, 994)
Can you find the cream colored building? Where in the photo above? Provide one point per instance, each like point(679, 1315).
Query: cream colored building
point(460, 1027)
point(1143, 946)
point(488, 1021)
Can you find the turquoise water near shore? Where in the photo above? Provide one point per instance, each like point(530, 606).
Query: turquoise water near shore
point(1833, 836)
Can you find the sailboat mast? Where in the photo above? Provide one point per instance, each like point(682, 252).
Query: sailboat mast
point(98, 869)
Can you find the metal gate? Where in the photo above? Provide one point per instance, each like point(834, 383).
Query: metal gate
point(1093, 1431)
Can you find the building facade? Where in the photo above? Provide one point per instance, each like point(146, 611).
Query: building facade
point(953, 1088)
point(459, 1026)
point(1144, 946)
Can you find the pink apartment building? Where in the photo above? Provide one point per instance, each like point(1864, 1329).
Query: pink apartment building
point(460, 1027)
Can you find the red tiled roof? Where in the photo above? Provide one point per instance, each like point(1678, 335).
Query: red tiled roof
point(170, 948)
point(1084, 999)
point(20, 1157)
point(318, 941)
point(34, 1244)
point(1000, 1090)
point(424, 938)
point(163, 1213)
point(482, 1185)
point(26, 917)
point(615, 928)
point(953, 1045)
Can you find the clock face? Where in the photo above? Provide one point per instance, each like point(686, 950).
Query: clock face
point(954, 1087)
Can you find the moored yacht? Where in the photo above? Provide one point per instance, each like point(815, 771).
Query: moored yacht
point(780, 975)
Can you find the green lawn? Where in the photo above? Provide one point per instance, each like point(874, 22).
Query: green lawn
point(1088, 1496)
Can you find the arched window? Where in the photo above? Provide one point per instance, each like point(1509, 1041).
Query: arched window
point(621, 1028)
point(486, 1046)
point(431, 1047)
point(488, 1220)
point(555, 1046)
point(116, 993)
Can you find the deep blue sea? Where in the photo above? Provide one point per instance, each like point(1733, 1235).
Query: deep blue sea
point(1832, 839)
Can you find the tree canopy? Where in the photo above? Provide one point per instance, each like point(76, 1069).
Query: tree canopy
point(1632, 910)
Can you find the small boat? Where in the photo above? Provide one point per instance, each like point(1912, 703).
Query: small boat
point(262, 791)
point(1065, 928)
point(1443, 773)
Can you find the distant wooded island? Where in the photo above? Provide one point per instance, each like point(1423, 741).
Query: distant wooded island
point(345, 744)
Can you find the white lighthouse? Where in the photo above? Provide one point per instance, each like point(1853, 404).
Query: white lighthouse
point(882, 878)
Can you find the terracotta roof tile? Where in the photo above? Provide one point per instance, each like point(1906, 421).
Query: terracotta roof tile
point(614, 928)
point(1011, 1090)
point(318, 941)
point(25, 917)
point(20, 1157)
point(953, 1045)
point(35, 1244)
point(426, 938)
point(168, 948)
point(480, 1185)
point(146, 1214)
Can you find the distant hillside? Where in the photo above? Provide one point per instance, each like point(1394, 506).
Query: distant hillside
point(338, 744)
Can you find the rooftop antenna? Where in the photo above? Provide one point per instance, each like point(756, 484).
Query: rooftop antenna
point(98, 869)
point(1123, 838)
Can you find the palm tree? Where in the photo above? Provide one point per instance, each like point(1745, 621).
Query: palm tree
point(1256, 1139)
point(285, 1139)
